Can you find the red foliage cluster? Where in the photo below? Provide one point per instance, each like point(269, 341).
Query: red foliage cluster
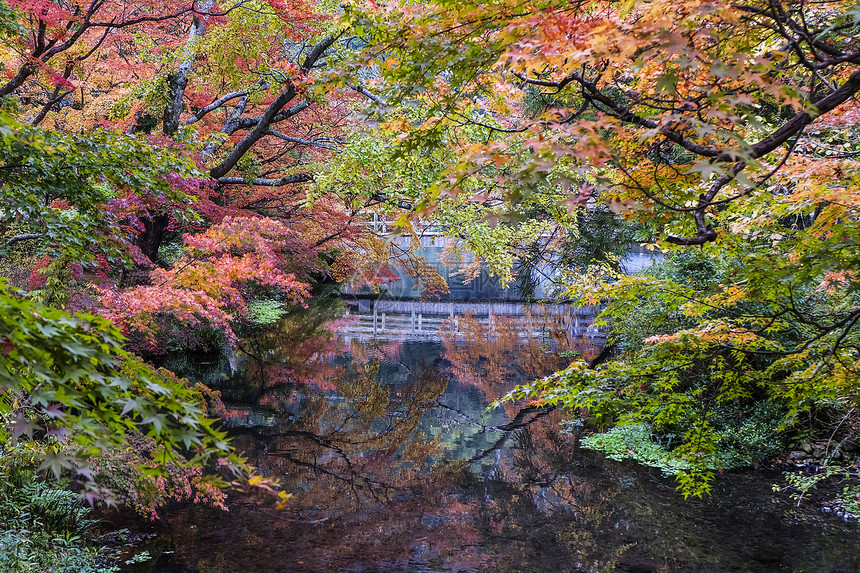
point(299, 15)
point(209, 286)
point(124, 474)
point(48, 12)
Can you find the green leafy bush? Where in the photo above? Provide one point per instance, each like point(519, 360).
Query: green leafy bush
point(635, 442)
point(746, 437)
point(44, 527)
point(265, 312)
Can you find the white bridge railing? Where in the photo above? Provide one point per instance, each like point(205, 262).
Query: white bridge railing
point(423, 321)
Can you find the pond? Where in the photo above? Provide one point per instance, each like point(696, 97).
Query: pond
point(397, 464)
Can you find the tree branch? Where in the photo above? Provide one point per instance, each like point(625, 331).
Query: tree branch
point(298, 178)
point(273, 112)
point(213, 106)
point(369, 95)
point(298, 140)
point(19, 238)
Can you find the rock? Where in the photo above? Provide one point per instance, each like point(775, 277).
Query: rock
point(818, 453)
point(767, 555)
point(797, 455)
point(431, 520)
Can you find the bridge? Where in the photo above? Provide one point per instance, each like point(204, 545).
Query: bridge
point(411, 320)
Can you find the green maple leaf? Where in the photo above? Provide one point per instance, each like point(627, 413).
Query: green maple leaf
point(667, 82)
point(707, 169)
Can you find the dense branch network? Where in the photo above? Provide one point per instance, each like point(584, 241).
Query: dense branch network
point(678, 130)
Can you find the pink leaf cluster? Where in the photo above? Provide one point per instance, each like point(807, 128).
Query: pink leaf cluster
point(48, 12)
point(137, 311)
point(209, 287)
point(125, 475)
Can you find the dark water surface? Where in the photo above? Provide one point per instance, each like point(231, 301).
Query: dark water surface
point(396, 465)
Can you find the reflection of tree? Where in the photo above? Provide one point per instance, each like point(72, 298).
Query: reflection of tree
point(373, 493)
point(552, 507)
point(301, 348)
point(339, 427)
point(503, 351)
point(332, 422)
point(540, 514)
point(358, 440)
point(534, 513)
point(495, 355)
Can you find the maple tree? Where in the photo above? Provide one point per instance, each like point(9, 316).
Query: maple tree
point(242, 87)
point(203, 287)
point(131, 127)
point(95, 202)
point(535, 135)
point(724, 127)
point(67, 381)
point(240, 90)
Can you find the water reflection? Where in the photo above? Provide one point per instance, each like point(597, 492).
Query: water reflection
point(375, 441)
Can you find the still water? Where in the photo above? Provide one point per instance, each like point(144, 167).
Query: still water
point(396, 464)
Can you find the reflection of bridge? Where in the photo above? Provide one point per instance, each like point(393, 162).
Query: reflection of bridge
point(421, 321)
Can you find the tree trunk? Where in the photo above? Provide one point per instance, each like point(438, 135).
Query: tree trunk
point(177, 81)
point(154, 229)
point(176, 84)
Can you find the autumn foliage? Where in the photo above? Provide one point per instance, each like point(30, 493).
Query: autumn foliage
point(170, 165)
point(721, 130)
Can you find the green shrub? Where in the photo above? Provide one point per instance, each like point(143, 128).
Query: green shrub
point(265, 312)
point(635, 442)
point(45, 528)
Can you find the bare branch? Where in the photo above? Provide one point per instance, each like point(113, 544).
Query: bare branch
point(298, 178)
point(18, 239)
point(366, 93)
point(273, 113)
point(213, 106)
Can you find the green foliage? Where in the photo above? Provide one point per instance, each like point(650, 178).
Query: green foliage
point(601, 237)
point(10, 25)
point(19, 462)
point(635, 442)
point(692, 390)
point(74, 191)
point(170, 253)
point(372, 165)
point(749, 433)
point(45, 527)
point(66, 377)
point(849, 499)
point(743, 440)
point(265, 312)
point(509, 231)
point(802, 484)
point(656, 312)
point(49, 506)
